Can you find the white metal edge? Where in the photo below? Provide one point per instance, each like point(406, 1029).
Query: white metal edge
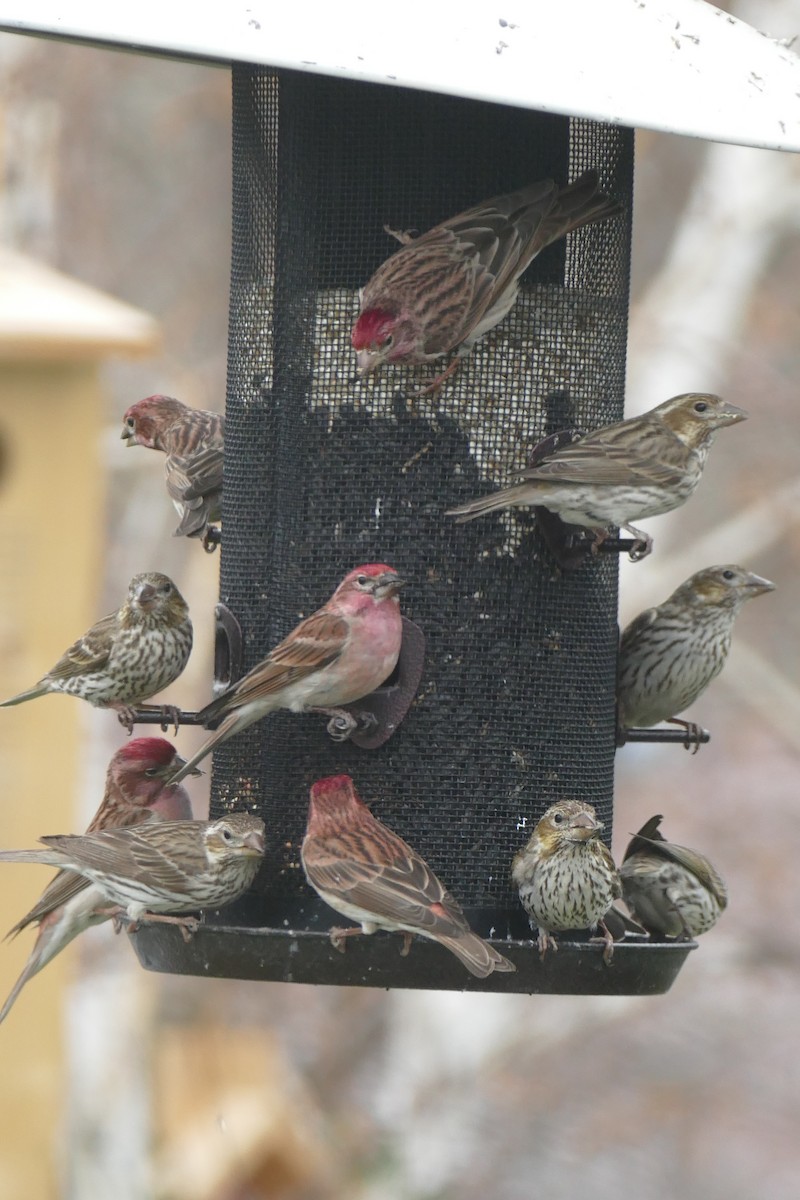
point(681, 66)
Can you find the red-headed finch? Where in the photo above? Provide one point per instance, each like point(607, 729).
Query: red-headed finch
point(620, 473)
point(370, 875)
point(668, 655)
point(135, 791)
point(160, 867)
point(193, 441)
point(670, 889)
point(446, 289)
point(338, 655)
point(127, 656)
point(566, 875)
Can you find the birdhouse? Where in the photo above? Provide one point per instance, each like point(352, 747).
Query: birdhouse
point(339, 131)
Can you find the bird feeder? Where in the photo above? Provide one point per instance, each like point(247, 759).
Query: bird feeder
point(515, 705)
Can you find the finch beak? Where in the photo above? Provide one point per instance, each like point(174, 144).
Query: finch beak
point(389, 582)
point(584, 826)
point(127, 436)
point(367, 363)
point(756, 586)
point(254, 843)
point(731, 414)
point(145, 594)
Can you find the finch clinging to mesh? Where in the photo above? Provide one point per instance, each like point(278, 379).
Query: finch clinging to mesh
point(193, 441)
point(566, 875)
point(127, 656)
point(338, 655)
point(157, 868)
point(135, 791)
point(370, 875)
point(445, 289)
point(670, 889)
point(620, 473)
point(668, 655)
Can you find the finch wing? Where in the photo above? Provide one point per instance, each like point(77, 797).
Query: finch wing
point(403, 891)
point(194, 476)
point(631, 634)
point(314, 644)
point(690, 860)
point(90, 652)
point(162, 860)
point(628, 454)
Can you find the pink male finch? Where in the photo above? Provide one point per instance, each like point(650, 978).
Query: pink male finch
point(668, 655)
point(370, 875)
point(193, 441)
point(565, 874)
point(637, 468)
point(127, 656)
point(446, 289)
point(338, 655)
point(670, 889)
point(160, 867)
point(135, 791)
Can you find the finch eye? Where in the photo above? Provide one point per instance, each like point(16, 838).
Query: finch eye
point(166, 588)
point(558, 818)
point(130, 422)
point(727, 575)
point(701, 406)
point(151, 772)
point(362, 581)
point(227, 836)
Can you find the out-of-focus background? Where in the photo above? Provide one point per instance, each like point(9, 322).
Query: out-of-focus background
point(115, 173)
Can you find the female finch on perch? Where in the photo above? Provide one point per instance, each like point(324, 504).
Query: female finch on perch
point(338, 655)
point(135, 791)
point(566, 875)
point(150, 871)
point(670, 889)
point(446, 289)
point(128, 656)
point(669, 655)
point(620, 473)
point(370, 875)
point(193, 441)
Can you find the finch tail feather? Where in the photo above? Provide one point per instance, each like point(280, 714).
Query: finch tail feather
point(506, 498)
point(40, 689)
point(477, 955)
point(231, 724)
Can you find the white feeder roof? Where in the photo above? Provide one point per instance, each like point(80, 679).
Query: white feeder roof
point(681, 66)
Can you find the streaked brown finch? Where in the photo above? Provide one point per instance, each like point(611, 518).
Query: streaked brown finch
point(670, 889)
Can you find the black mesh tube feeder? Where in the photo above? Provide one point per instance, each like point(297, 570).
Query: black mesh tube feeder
point(514, 707)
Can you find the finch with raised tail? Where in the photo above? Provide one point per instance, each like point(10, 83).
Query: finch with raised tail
point(370, 875)
point(566, 875)
point(670, 889)
point(338, 655)
point(668, 655)
point(127, 656)
point(152, 871)
point(641, 467)
point(135, 791)
point(193, 441)
point(444, 290)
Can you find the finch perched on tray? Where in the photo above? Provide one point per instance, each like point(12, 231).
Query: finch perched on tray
point(670, 889)
point(445, 289)
point(669, 655)
point(370, 875)
point(149, 872)
point(193, 441)
point(127, 656)
point(338, 655)
point(135, 791)
point(620, 473)
point(566, 875)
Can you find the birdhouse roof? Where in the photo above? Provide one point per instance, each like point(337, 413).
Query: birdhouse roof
point(677, 65)
point(49, 315)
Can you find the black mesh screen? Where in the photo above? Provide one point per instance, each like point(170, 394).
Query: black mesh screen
point(323, 472)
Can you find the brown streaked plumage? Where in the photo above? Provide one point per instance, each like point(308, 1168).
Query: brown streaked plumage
point(445, 289)
point(670, 654)
point(566, 875)
point(161, 867)
point(127, 656)
point(370, 875)
point(640, 467)
point(193, 441)
point(670, 889)
point(135, 791)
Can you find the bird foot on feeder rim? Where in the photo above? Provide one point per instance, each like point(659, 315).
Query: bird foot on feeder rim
point(211, 538)
point(642, 543)
point(545, 942)
point(187, 925)
point(605, 939)
point(341, 723)
point(163, 715)
point(694, 733)
point(126, 716)
point(338, 934)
